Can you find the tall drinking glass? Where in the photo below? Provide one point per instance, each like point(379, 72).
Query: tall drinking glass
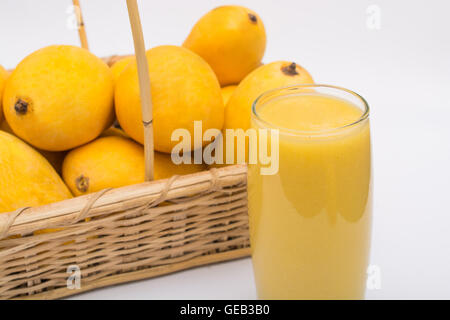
point(310, 221)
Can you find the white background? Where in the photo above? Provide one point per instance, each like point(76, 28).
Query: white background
point(402, 69)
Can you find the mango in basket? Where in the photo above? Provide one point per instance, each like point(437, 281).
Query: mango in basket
point(266, 77)
point(59, 97)
point(26, 177)
point(3, 76)
point(270, 76)
point(184, 89)
point(232, 39)
point(227, 92)
point(112, 162)
point(118, 67)
point(55, 158)
point(165, 167)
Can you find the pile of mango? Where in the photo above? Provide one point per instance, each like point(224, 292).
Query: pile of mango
point(59, 104)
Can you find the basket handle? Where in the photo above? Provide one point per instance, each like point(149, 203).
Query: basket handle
point(144, 78)
point(80, 22)
point(144, 86)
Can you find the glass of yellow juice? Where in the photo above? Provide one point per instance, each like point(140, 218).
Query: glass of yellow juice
point(310, 222)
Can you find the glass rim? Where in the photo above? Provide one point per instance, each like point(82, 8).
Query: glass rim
point(363, 117)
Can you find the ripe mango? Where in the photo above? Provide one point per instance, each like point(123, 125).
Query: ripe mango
point(184, 89)
point(267, 77)
point(118, 67)
point(54, 158)
point(232, 39)
point(165, 168)
point(27, 179)
point(3, 76)
point(112, 162)
point(227, 92)
point(59, 97)
point(108, 162)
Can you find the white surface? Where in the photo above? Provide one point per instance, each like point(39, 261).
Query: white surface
point(403, 70)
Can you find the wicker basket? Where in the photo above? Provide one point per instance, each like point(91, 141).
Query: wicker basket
point(134, 232)
point(124, 234)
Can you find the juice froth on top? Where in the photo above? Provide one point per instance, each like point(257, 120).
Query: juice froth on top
point(309, 112)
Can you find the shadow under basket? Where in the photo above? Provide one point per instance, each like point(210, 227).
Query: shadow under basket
point(125, 234)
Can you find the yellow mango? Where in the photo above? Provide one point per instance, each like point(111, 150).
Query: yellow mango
point(165, 168)
point(108, 162)
point(118, 67)
point(227, 92)
point(114, 161)
point(232, 39)
point(3, 76)
point(267, 77)
point(26, 177)
point(59, 97)
point(55, 158)
point(184, 89)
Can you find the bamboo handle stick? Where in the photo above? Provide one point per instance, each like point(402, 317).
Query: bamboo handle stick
point(81, 29)
point(144, 86)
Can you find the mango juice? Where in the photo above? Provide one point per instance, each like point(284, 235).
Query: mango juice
point(310, 222)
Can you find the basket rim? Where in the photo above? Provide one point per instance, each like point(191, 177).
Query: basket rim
point(37, 218)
